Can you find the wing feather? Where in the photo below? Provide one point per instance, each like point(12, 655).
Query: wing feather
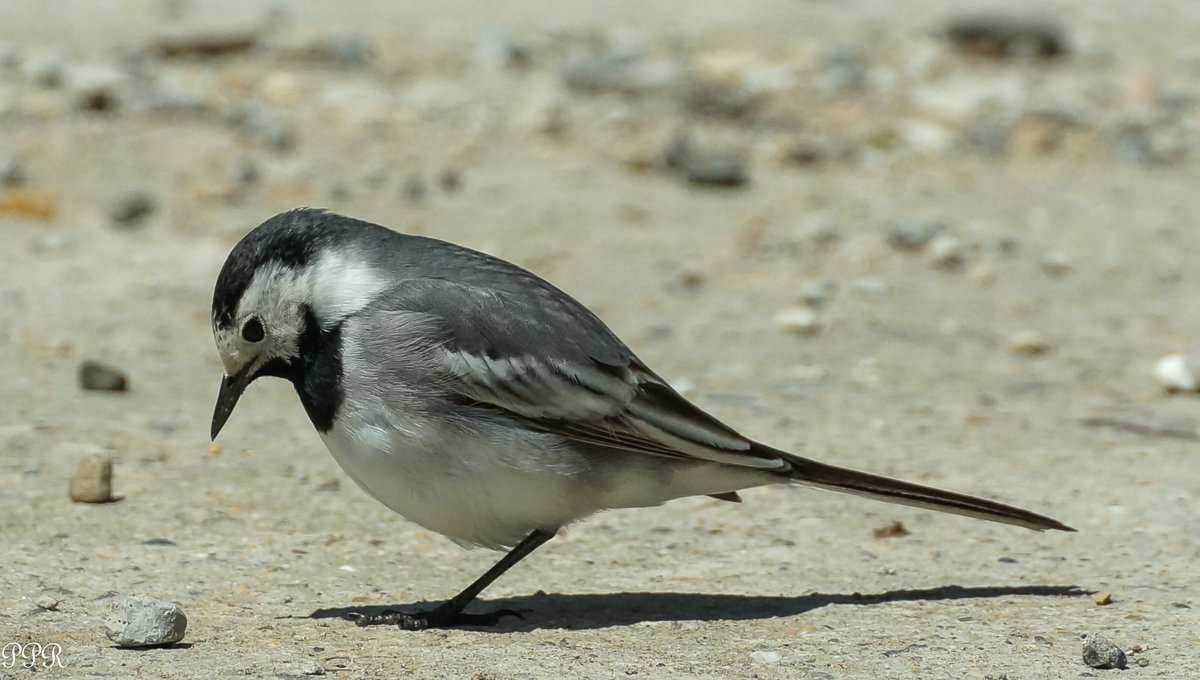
point(548, 362)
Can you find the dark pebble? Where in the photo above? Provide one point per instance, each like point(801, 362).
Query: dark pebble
point(339, 191)
point(94, 375)
point(267, 126)
point(1100, 652)
point(414, 188)
point(718, 100)
point(159, 541)
point(245, 172)
point(12, 171)
point(1001, 36)
point(450, 180)
point(131, 208)
point(717, 169)
point(805, 153)
point(205, 42)
point(590, 71)
point(705, 168)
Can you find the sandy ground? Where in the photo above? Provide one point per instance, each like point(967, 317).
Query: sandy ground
point(1077, 226)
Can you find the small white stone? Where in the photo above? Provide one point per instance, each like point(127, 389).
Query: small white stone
point(816, 293)
point(142, 621)
point(1028, 342)
point(766, 656)
point(873, 285)
point(48, 602)
point(927, 137)
point(808, 373)
point(94, 86)
point(1175, 372)
point(798, 320)
point(1056, 264)
point(945, 252)
point(281, 88)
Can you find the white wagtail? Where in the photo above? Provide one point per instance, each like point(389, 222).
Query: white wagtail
point(481, 402)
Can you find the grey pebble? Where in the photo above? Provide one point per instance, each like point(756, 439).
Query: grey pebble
point(998, 36)
point(142, 621)
point(131, 207)
point(591, 70)
point(414, 188)
point(245, 172)
point(94, 87)
point(92, 481)
point(47, 603)
point(44, 68)
point(338, 191)
point(718, 99)
point(316, 48)
point(1100, 652)
point(912, 235)
point(94, 375)
point(817, 293)
point(843, 71)
point(717, 168)
point(348, 50)
point(266, 126)
point(12, 170)
point(989, 135)
point(1152, 144)
point(496, 50)
point(312, 668)
point(10, 55)
point(205, 41)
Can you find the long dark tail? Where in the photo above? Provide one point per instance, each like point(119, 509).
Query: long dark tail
point(812, 473)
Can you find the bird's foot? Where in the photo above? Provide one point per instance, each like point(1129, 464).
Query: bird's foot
point(438, 617)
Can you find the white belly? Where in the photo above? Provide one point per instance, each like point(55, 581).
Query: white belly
point(494, 496)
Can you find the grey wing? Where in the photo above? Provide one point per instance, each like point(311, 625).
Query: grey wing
point(546, 360)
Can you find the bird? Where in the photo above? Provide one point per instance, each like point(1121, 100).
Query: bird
point(479, 401)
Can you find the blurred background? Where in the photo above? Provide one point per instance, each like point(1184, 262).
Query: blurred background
point(953, 242)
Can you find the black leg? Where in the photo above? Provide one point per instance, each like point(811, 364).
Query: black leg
point(450, 613)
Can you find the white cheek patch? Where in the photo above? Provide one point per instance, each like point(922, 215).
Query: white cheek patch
point(339, 286)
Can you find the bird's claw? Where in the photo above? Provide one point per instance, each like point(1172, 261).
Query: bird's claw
point(433, 618)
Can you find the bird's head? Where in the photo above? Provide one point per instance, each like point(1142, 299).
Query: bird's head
point(297, 273)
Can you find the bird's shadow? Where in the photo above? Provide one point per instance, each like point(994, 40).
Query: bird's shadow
point(588, 611)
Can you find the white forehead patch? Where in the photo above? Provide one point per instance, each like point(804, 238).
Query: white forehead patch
point(339, 285)
point(273, 285)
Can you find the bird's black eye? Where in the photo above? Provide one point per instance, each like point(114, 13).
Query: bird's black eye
point(252, 331)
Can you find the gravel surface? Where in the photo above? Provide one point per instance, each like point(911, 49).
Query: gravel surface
point(998, 226)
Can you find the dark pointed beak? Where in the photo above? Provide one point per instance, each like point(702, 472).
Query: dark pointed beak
point(232, 387)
